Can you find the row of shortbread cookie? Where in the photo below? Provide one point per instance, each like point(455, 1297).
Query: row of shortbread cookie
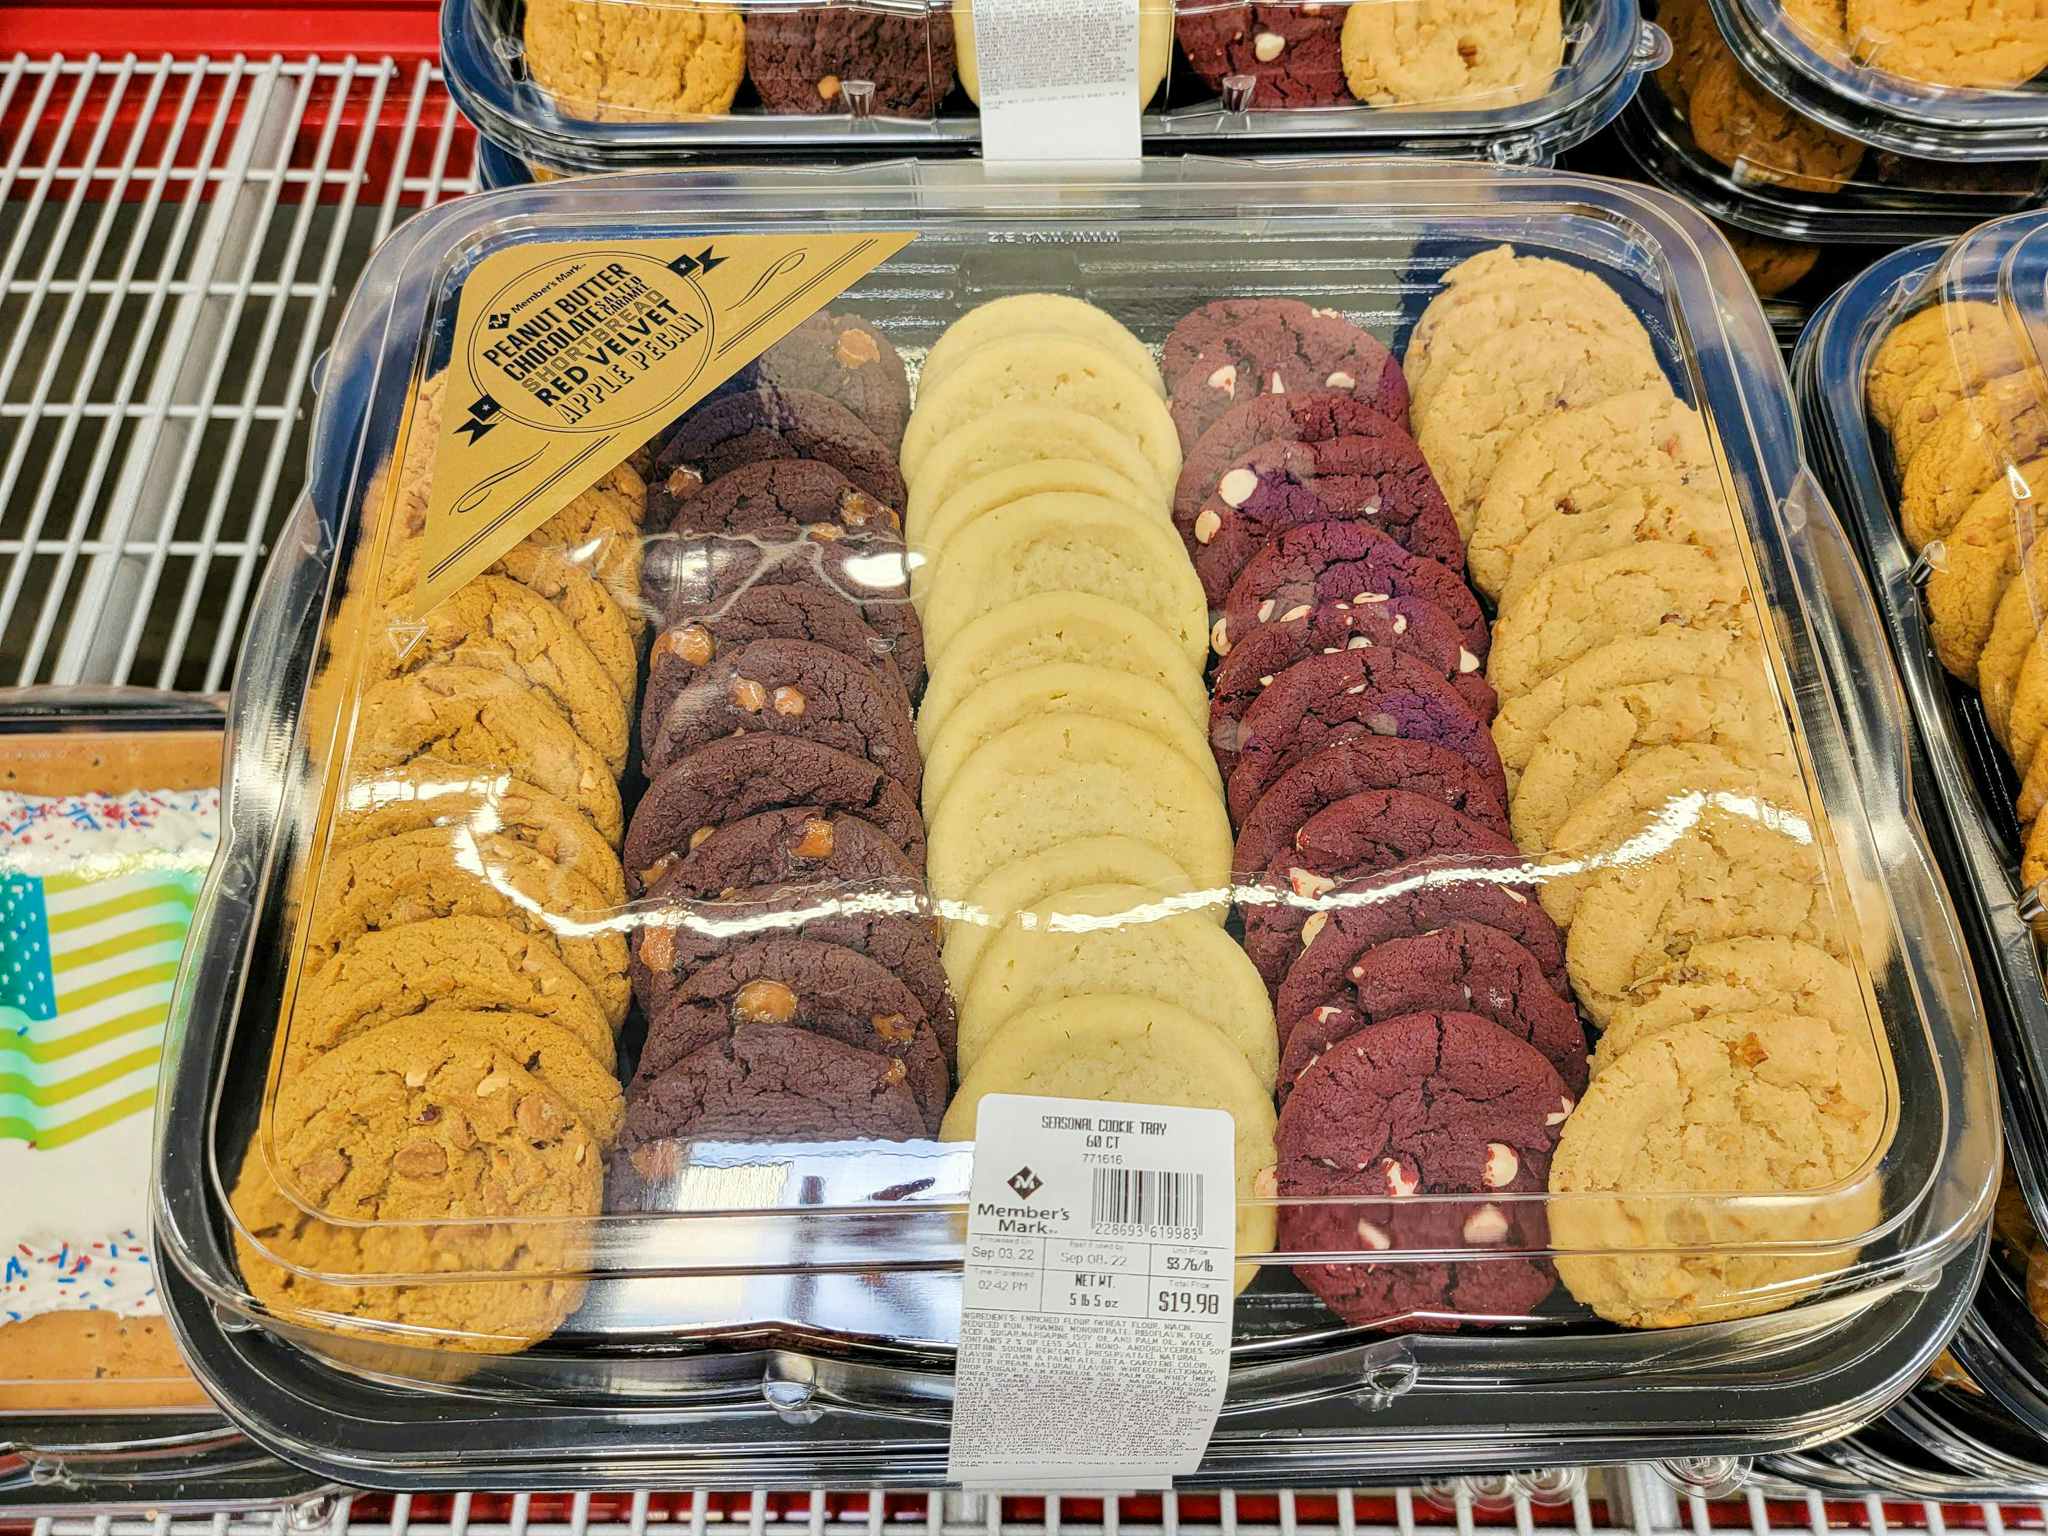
point(1652, 767)
point(1078, 845)
point(450, 1049)
point(1969, 436)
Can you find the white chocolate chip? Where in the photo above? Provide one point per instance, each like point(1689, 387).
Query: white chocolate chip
point(1355, 688)
point(1267, 45)
point(1564, 1109)
point(1373, 1237)
point(1400, 1182)
point(1317, 921)
point(1341, 380)
point(1372, 597)
point(1225, 379)
point(1266, 681)
point(1381, 723)
point(1400, 623)
point(1467, 662)
point(1298, 611)
point(1206, 524)
point(1501, 1165)
point(1486, 1225)
point(1306, 882)
point(1266, 610)
point(1236, 487)
point(1328, 1012)
point(1219, 638)
point(1360, 642)
point(1278, 387)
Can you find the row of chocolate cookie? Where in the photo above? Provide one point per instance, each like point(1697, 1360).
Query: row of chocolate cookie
point(1078, 841)
point(1350, 714)
point(785, 962)
point(450, 1052)
point(1653, 780)
point(1969, 434)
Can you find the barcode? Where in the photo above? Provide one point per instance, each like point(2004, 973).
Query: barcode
point(1144, 1197)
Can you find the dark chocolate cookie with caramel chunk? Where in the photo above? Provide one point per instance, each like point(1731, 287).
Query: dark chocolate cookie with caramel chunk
point(730, 431)
point(772, 496)
point(734, 777)
point(844, 358)
point(798, 845)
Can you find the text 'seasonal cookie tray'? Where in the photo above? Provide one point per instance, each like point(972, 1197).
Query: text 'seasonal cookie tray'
point(1922, 387)
point(605, 85)
point(614, 957)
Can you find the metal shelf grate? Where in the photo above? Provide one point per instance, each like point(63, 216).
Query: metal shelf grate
point(180, 237)
point(1613, 1502)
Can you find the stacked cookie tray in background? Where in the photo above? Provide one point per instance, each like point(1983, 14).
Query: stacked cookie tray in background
point(1158, 670)
point(582, 85)
point(1807, 195)
point(1922, 388)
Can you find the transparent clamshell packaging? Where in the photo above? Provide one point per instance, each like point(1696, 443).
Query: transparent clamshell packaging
point(1923, 387)
point(739, 1243)
point(607, 85)
point(1708, 126)
point(1953, 81)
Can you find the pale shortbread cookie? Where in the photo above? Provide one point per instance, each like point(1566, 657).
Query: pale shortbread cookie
point(1060, 688)
point(1660, 793)
point(1140, 1050)
point(977, 917)
point(1465, 54)
point(1586, 747)
point(1036, 477)
point(1730, 868)
point(1667, 651)
point(1066, 542)
point(1058, 626)
point(1033, 314)
point(1575, 461)
point(1044, 370)
point(1572, 610)
point(1119, 938)
point(1060, 777)
point(1013, 438)
point(1642, 514)
point(1759, 1102)
point(1732, 976)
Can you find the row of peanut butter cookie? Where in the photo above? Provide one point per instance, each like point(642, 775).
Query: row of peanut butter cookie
point(1654, 790)
point(447, 1086)
point(786, 962)
point(1079, 846)
point(1427, 1049)
point(1968, 427)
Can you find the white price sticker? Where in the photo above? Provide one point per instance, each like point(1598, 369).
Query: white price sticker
point(1059, 79)
point(1095, 1319)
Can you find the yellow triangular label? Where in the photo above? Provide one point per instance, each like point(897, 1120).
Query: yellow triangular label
point(570, 356)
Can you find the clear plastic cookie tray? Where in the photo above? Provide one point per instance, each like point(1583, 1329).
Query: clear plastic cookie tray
point(840, 1257)
point(1931, 79)
point(768, 79)
point(1978, 437)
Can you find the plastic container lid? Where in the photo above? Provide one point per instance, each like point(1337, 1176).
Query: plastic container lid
point(338, 1162)
point(108, 818)
point(1709, 128)
point(775, 79)
point(1943, 80)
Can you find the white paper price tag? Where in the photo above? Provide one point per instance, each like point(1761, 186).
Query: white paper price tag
point(1095, 1320)
point(1059, 79)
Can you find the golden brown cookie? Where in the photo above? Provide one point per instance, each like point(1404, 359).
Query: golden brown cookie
point(1968, 450)
point(1981, 350)
point(1758, 1102)
point(626, 62)
point(472, 963)
point(504, 627)
point(1748, 129)
point(1585, 748)
point(1989, 45)
point(1979, 555)
point(1729, 977)
point(2015, 630)
point(2033, 795)
point(1667, 651)
point(438, 1157)
point(1695, 41)
point(1660, 792)
point(483, 720)
point(1772, 265)
point(1462, 53)
point(1572, 610)
point(2027, 720)
point(1732, 868)
point(1640, 514)
point(430, 792)
point(2034, 863)
point(1576, 461)
point(1822, 23)
point(587, 1085)
point(1955, 346)
point(418, 876)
